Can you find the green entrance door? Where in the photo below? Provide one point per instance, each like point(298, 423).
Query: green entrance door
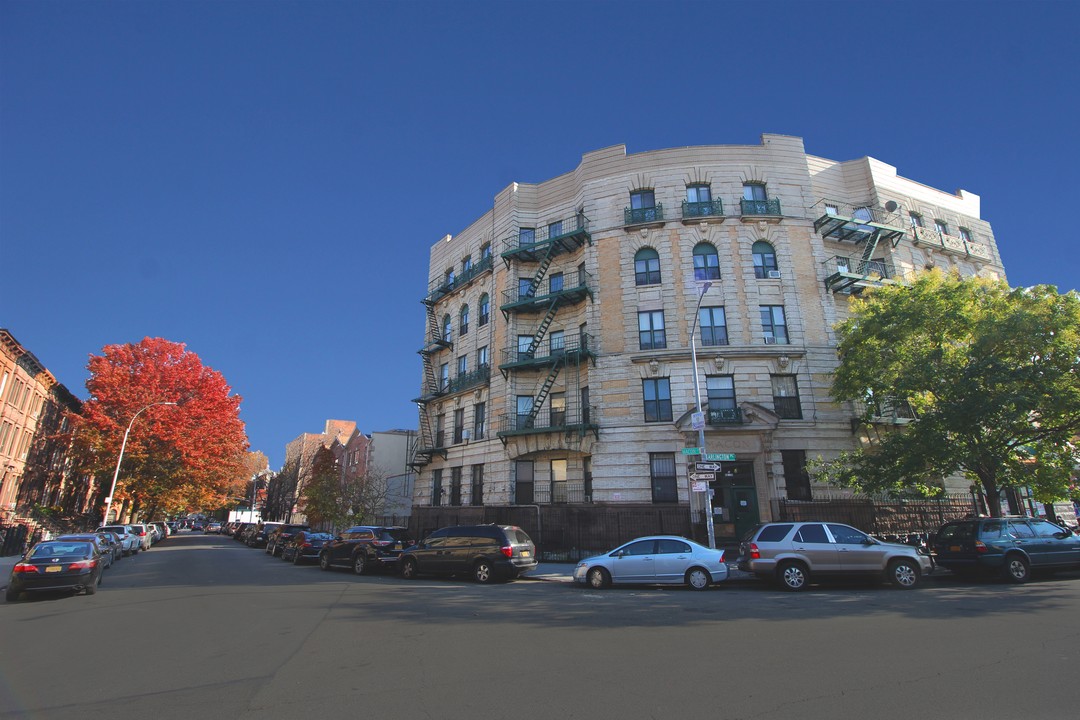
point(744, 509)
point(736, 495)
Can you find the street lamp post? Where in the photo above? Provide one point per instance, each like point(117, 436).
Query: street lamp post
point(701, 425)
point(123, 445)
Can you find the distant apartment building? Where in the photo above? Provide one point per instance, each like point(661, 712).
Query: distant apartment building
point(557, 360)
point(36, 466)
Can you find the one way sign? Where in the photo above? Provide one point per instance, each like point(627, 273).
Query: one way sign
point(711, 467)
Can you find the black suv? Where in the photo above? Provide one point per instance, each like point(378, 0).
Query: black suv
point(258, 535)
point(280, 535)
point(486, 552)
point(365, 548)
point(1013, 547)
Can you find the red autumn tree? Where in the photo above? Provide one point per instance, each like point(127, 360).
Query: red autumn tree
point(180, 457)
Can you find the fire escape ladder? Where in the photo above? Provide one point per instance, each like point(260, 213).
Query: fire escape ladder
point(868, 252)
point(434, 331)
point(541, 271)
point(427, 439)
point(538, 336)
point(549, 381)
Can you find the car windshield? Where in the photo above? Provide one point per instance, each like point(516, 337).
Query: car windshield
point(54, 549)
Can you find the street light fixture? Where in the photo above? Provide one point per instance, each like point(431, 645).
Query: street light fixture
point(701, 419)
point(123, 445)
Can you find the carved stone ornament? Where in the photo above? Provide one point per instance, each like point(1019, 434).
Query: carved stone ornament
point(719, 361)
point(783, 361)
point(457, 401)
point(762, 227)
point(654, 367)
point(478, 394)
point(644, 232)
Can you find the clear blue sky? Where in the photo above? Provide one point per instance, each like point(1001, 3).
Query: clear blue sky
point(263, 180)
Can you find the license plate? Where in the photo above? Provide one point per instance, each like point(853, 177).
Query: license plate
point(54, 568)
point(954, 548)
point(525, 553)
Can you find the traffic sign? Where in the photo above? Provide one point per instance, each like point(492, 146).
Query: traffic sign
point(707, 477)
point(713, 467)
point(717, 457)
point(691, 451)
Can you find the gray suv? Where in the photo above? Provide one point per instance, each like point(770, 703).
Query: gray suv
point(485, 552)
point(795, 553)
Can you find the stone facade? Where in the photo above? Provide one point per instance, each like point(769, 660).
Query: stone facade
point(592, 280)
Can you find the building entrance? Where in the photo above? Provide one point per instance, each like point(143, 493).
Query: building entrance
point(735, 508)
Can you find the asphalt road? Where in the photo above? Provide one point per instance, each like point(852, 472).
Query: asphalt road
point(201, 626)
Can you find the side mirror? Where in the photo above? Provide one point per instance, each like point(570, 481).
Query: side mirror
point(1063, 534)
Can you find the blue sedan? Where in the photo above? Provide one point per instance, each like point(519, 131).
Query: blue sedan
point(654, 560)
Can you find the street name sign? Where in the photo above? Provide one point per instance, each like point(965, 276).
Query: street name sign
point(691, 451)
point(717, 457)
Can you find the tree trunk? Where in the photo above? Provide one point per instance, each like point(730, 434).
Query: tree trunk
point(993, 500)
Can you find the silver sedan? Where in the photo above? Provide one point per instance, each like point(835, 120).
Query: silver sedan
point(657, 559)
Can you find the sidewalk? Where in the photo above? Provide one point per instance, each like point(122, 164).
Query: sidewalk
point(6, 563)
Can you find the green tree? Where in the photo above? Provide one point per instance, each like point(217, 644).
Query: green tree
point(993, 377)
point(337, 499)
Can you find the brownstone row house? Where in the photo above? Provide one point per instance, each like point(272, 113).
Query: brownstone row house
point(35, 452)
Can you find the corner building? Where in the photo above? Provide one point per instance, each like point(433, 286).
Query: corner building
point(557, 357)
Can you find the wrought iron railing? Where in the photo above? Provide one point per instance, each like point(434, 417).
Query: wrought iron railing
point(480, 376)
point(560, 493)
point(575, 283)
point(440, 288)
point(547, 420)
point(636, 216)
point(708, 208)
point(576, 227)
point(788, 408)
point(760, 207)
point(857, 266)
point(551, 348)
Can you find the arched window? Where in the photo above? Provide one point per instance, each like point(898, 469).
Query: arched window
point(485, 310)
point(647, 267)
point(463, 324)
point(446, 326)
point(764, 260)
point(706, 262)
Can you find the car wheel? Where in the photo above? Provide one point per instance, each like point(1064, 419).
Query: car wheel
point(324, 562)
point(408, 569)
point(698, 578)
point(904, 574)
point(360, 564)
point(1017, 569)
point(793, 576)
point(92, 587)
point(295, 557)
point(482, 572)
point(598, 578)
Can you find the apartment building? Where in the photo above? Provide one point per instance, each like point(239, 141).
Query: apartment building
point(35, 455)
point(558, 363)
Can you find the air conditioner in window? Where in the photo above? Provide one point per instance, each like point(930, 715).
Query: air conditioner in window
point(770, 339)
point(775, 275)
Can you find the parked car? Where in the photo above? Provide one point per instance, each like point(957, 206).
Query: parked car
point(797, 553)
point(365, 548)
point(156, 535)
point(1013, 547)
point(131, 541)
point(163, 530)
point(143, 533)
point(486, 552)
point(213, 527)
point(100, 545)
point(258, 536)
point(276, 538)
point(304, 545)
point(115, 542)
point(242, 532)
point(657, 559)
point(57, 565)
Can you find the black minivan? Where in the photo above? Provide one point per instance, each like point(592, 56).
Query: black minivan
point(486, 552)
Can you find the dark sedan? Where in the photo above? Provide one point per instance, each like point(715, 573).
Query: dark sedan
point(57, 565)
point(104, 548)
point(304, 546)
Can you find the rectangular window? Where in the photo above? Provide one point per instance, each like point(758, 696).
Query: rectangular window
point(466, 264)
point(785, 390)
point(485, 311)
point(440, 431)
point(665, 487)
point(585, 409)
point(479, 421)
point(455, 486)
point(773, 325)
point(642, 199)
point(558, 482)
point(523, 487)
point(720, 391)
point(524, 411)
point(557, 404)
point(754, 191)
point(526, 237)
point(698, 194)
point(657, 395)
point(5, 430)
point(444, 377)
point(713, 324)
point(482, 360)
point(557, 342)
point(436, 487)
point(476, 497)
point(916, 220)
point(555, 229)
point(525, 288)
point(459, 425)
point(795, 476)
point(941, 226)
point(965, 234)
point(586, 473)
point(555, 283)
point(462, 365)
point(524, 346)
point(651, 335)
